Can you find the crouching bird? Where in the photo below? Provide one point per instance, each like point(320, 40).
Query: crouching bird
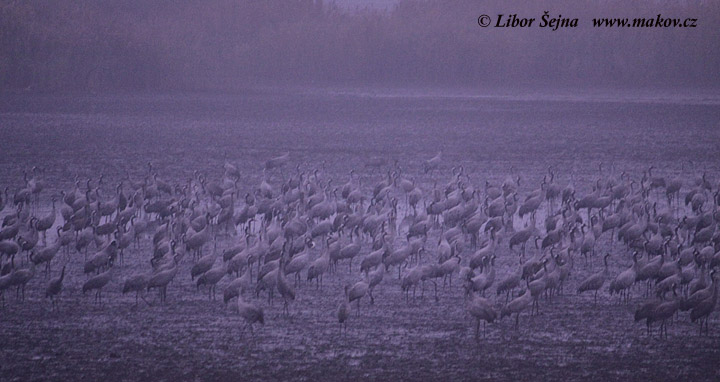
point(251, 313)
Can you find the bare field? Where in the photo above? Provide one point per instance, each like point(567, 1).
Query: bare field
point(193, 338)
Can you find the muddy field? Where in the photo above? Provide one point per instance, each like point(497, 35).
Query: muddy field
point(193, 338)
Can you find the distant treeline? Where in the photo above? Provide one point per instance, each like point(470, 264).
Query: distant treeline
point(224, 44)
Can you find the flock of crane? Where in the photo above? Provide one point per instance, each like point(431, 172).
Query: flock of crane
point(293, 234)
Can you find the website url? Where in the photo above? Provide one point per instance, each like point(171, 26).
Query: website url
point(652, 22)
point(555, 22)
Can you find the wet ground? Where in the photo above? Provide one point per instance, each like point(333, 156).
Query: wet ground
point(193, 338)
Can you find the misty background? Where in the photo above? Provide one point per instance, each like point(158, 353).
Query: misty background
point(235, 44)
point(363, 93)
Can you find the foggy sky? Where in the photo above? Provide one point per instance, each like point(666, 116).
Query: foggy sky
point(224, 44)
